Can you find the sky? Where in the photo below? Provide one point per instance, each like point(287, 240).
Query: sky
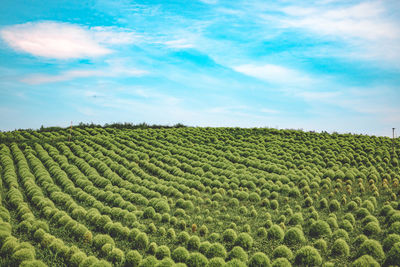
point(313, 65)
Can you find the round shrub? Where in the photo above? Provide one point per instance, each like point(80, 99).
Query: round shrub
point(166, 262)
point(193, 243)
point(24, 254)
point(394, 228)
point(332, 222)
point(152, 248)
point(142, 241)
point(359, 240)
point(365, 260)
point(362, 213)
point(216, 250)
point(183, 237)
point(77, 258)
point(203, 231)
point(149, 213)
point(389, 241)
point(308, 256)
point(9, 245)
point(149, 261)
point(352, 206)
point(214, 237)
point(171, 234)
point(334, 205)
point(372, 248)
point(235, 263)
point(296, 219)
point(259, 259)
point(323, 203)
point(308, 202)
point(321, 245)
point(245, 241)
point(320, 229)
point(372, 228)
point(340, 233)
point(393, 256)
point(196, 259)
point(100, 239)
point(340, 248)
point(133, 258)
point(238, 253)
point(229, 236)
point(274, 204)
point(162, 206)
point(180, 254)
point(282, 251)
point(261, 232)
point(281, 262)
point(116, 256)
point(216, 262)
point(204, 247)
point(346, 225)
point(254, 197)
point(162, 252)
point(275, 233)
point(350, 218)
point(294, 236)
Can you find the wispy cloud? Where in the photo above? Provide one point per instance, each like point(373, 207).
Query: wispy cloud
point(274, 74)
point(64, 40)
point(35, 79)
point(180, 44)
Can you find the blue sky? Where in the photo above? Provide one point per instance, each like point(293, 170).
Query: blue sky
point(315, 65)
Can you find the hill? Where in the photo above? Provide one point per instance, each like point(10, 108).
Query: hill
point(183, 196)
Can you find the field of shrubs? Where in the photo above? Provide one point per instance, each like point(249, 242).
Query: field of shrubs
point(186, 196)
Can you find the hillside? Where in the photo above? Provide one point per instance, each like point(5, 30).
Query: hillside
point(185, 196)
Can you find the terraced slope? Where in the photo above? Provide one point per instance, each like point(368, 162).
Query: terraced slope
point(198, 196)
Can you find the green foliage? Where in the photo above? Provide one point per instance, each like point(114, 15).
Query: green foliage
point(193, 243)
point(282, 251)
point(133, 258)
point(320, 229)
point(393, 256)
point(142, 241)
point(245, 241)
point(308, 256)
point(365, 260)
point(275, 233)
point(180, 254)
point(216, 250)
point(281, 262)
point(340, 248)
point(294, 236)
point(389, 241)
point(373, 248)
point(163, 252)
point(259, 259)
point(238, 253)
point(216, 262)
point(196, 260)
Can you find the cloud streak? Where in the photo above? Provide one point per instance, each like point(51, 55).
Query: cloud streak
point(63, 41)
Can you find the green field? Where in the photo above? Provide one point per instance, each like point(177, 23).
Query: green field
point(186, 196)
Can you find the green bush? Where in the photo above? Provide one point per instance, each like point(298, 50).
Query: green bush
point(216, 250)
point(133, 258)
point(180, 254)
point(162, 252)
point(365, 260)
point(254, 197)
point(372, 248)
point(193, 243)
point(151, 249)
point(346, 225)
point(33, 263)
point(281, 262)
point(166, 262)
point(332, 222)
point(361, 213)
point(275, 233)
point(203, 231)
point(116, 256)
point(259, 259)
point(340, 233)
point(334, 205)
point(149, 261)
point(389, 241)
point(320, 229)
point(149, 213)
point(142, 241)
point(24, 254)
point(308, 256)
point(296, 219)
point(394, 228)
point(350, 218)
point(340, 248)
point(229, 236)
point(100, 240)
point(196, 259)
point(216, 262)
point(245, 241)
point(235, 263)
point(77, 258)
point(238, 253)
point(183, 237)
point(359, 240)
point(393, 256)
point(171, 234)
point(294, 236)
point(321, 245)
point(274, 204)
point(282, 251)
point(372, 228)
point(204, 247)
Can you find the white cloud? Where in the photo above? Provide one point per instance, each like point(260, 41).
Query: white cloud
point(269, 111)
point(63, 40)
point(180, 44)
point(275, 74)
point(35, 79)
